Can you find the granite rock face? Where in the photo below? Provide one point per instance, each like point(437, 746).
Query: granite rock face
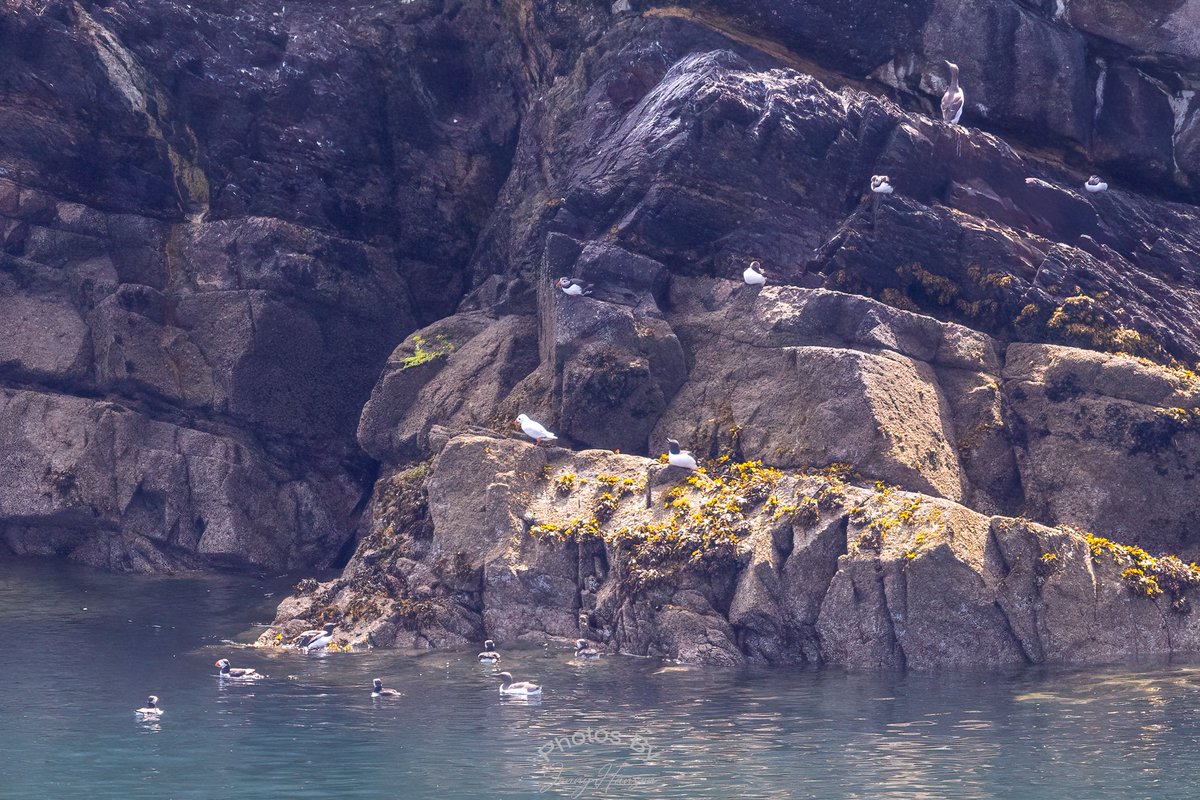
point(218, 220)
point(505, 540)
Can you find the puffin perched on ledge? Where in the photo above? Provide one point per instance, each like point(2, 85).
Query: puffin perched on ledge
point(314, 639)
point(679, 458)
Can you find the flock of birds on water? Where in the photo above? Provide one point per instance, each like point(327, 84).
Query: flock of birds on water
point(952, 107)
point(316, 640)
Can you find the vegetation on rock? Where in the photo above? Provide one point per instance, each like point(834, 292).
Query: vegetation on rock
point(421, 355)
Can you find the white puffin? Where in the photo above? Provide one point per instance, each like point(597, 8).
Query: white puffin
point(315, 639)
point(377, 690)
point(954, 99)
point(534, 430)
point(753, 274)
point(236, 673)
point(1094, 184)
point(521, 689)
point(881, 184)
point(574, 286)
point(679, 458)
point(150, 710)
point(489, 654)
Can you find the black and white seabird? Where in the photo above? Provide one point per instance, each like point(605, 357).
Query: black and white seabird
point(881, 184)
point(522, 689)
point(583, 651)
point(377, 690)
point(236, 673)
point(954, 99)
point(315, 639)
point(151, 709)
point(574, 286)
point(489, 654)
point(534, 430)
point(1094, 184)
point(753, 274)
point(679, 458)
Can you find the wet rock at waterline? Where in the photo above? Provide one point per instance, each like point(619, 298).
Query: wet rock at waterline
point(502, 539)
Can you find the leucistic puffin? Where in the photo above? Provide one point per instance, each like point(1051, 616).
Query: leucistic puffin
point(583, 651)
point(1094, 184)
point(881, 184)
point(954, 99)
point(377, 690)
point(522, 689)
point(489, 654)
point(573, 286)
point(679, 458)
point(236, 673)
point(534, 430)
point(753, 274)
point(315, 639)
point(151, 709)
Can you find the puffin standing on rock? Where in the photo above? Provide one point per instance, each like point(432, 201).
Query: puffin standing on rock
point(489, 654)
point(880, 184)
point(534, 430)
point(315, 639)
point(954, 99)
point(680, 458)
point(1094, 184)
point(236, 673)
point(574, 286)
point(753, 274)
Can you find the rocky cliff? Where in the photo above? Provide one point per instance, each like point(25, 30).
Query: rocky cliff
point(219, 219)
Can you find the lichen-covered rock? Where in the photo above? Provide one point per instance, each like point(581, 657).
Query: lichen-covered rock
point(507, 540)
point(1107, 443)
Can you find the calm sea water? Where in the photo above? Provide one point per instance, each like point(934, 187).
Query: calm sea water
point(83, 649)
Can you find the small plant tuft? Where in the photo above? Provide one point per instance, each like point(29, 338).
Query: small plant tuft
point(423, 355)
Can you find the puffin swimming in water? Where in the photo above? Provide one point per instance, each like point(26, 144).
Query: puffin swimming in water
point(315, 639)
point(582, 650)
point(151, 709)
point(236, 673)
point(753, 274)
point(489, 654)
point(573, 286)
point(522, 689)
point(880, 184)
point(377, 690)
point(954, 99)
point(534, 430)
point(1094, 184)
point(680, 458)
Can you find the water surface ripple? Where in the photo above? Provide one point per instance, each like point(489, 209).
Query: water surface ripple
point(83, 649)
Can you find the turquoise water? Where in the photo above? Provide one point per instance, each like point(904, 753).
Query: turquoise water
point(84, 649)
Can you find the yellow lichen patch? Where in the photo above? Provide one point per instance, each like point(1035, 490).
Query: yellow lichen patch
point(888, 512)
point(1148, 575)
point(565, 483)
